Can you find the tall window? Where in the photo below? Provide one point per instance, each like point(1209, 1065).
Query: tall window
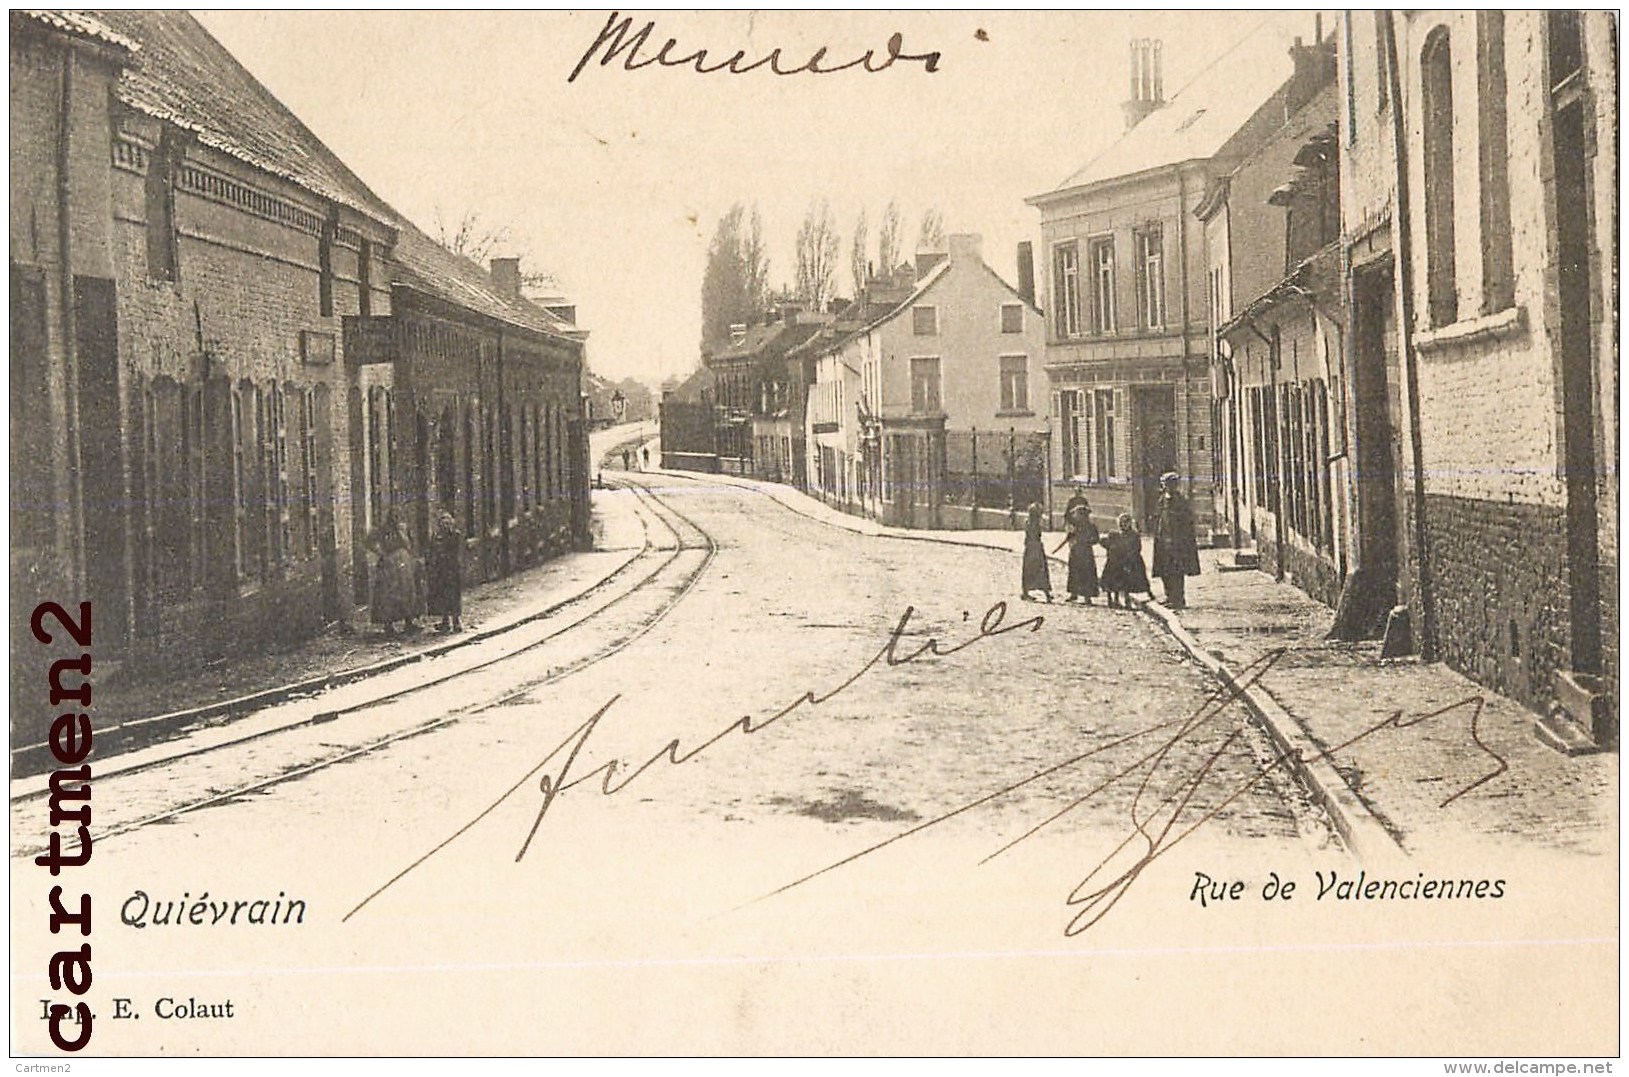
point(924, 385)
point(1102, 255)
point(925, 321)
point(1498, 284)
point(274, 446)
point(1014, 383)
point(1070, 422)
point(1566, 37)
point(1012, 317)
point(1066, 289)
point(1437, 102)
point(308, 463)
point(1103, 467)
point(1151, 278)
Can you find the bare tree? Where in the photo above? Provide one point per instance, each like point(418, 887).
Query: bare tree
point(888, 252)
point(471, 237)
point(857, 255)
point(474, 239)
point(817, 246)
point(932, 235)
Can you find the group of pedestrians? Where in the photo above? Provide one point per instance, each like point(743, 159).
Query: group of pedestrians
point(1176, 552)
point(406, 587)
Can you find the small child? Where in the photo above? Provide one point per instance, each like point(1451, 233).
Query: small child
point(1123, 568)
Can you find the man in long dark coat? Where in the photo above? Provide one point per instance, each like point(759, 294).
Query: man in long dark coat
point(1176, 551)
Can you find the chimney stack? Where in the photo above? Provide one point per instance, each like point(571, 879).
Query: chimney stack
point(1026, 272)
point(506, 276)
point(1147, 80)
point(966, 247)
point(925, 261)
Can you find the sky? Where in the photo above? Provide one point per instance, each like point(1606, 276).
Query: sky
point(613, 182)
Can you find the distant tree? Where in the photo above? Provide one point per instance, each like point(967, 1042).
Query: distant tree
point(755, 261)
point(733, 284)
point(888, 252)
point(817, 252)
point(857, 255)
point(931, 237)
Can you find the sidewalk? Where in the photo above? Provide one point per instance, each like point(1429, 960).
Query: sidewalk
point(231, 685)
point(1407, 785)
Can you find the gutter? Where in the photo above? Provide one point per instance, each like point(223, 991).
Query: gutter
point(1405, 339)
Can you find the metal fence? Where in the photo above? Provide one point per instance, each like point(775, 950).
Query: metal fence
point(995, 469)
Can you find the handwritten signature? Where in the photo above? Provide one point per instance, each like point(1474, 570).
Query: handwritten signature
point(615, 40)
point(611, 774)
point(1155, 830)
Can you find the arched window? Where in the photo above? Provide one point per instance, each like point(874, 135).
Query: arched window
point(1437, 105)
point(1498, 285)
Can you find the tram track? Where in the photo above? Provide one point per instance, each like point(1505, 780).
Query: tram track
point(683, 560)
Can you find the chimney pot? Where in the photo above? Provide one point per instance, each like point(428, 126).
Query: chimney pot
point(1026, 272)
point(506, 276)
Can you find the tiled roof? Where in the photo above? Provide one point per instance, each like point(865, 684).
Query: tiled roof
point(1199, 118)
point(78, 24)
point(427, 266)
point(186, 77)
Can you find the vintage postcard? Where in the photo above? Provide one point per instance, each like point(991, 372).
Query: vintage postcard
point(815, 533)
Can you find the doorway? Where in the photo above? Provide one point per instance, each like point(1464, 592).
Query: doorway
point(1577, 359)
point(1153, 418)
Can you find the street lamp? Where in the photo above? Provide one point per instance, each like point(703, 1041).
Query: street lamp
point(619, 404)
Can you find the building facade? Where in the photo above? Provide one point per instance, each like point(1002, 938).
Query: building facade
point(1479, 215)
point(953, 359)
point(1128, 302)
point(1283, 476)
point(191, 440)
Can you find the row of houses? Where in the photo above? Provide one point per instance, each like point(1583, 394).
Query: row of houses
point(231, 361)
point(1368, 311)
point(917, 403)
point(1359, 291)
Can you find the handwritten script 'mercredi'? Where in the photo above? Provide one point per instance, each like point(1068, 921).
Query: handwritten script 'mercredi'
point(615, 41)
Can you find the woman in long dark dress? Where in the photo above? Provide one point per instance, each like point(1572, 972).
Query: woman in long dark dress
point(1037, 577)
point(1081, 537)
point(396, 589)
point(445, 567)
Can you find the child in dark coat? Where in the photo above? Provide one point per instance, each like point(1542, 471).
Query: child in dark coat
point(1123, 568)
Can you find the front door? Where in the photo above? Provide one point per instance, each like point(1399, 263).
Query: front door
point(1154, 451)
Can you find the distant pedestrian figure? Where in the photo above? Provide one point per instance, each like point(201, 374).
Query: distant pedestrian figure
point(445, 568)
point(1123, 571)
point(1081, 537)
point(644, 458)
point(627, 460)
point(1176, 551)
point(397, 587)
point(1037, 577)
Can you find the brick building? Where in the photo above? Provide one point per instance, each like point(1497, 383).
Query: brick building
point(466, 400)
point(756, 391)
point(190, 445)
point(1479, 204)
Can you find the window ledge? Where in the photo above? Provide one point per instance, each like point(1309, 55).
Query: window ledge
point(1496, 326)
point(1024, 414)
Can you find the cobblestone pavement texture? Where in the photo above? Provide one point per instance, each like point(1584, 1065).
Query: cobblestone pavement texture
point(1421, 779)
